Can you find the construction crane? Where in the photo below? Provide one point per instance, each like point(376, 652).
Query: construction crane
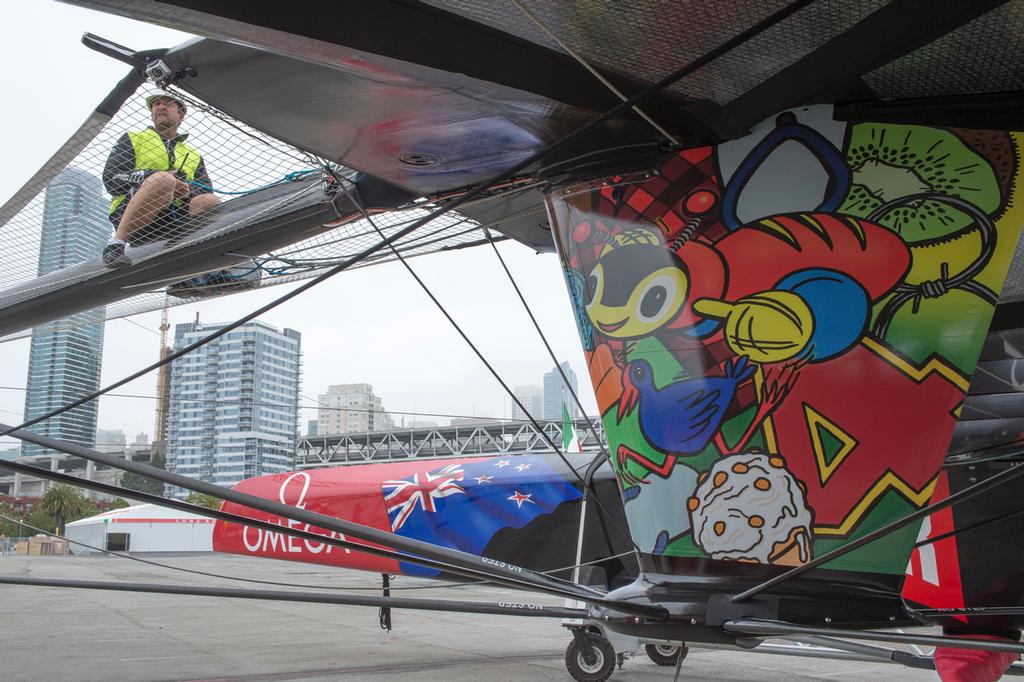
point(163, 384)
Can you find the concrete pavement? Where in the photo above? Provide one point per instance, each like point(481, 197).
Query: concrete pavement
point(51, 635)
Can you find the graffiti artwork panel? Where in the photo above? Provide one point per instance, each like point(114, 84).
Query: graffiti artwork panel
point(781, 329)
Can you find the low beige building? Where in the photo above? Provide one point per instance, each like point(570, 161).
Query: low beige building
point(351, 408)
point(42, 545)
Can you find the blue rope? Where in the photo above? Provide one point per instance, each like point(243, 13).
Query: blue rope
point(294, 175)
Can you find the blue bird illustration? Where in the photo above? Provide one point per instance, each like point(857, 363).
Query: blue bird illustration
point(682, 417)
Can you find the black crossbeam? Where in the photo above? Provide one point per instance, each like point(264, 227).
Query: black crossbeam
point(772, 628)
point(974, 526)
point(455, 606)
point(974, 611)
point(896, 29)
point(985, 111)
point(116, 51)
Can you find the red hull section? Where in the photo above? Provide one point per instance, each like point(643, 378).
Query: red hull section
point(520, 509)
point(972, 665)
point(350, 493)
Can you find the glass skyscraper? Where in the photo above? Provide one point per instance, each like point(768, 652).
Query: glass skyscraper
point(555, 392)
point(66, 355)
point(234, 404)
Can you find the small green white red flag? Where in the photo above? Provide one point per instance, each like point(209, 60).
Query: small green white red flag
point(570, 441)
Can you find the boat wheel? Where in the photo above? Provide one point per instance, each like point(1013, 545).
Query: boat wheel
point(596, 667)
point(666, 654)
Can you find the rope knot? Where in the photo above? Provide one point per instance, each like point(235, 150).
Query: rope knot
point(934, 288)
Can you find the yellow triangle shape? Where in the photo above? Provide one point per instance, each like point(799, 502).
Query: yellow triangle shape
point(816, 420)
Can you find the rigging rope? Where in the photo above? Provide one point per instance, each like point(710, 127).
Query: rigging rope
point(150, 562)
point(288, 177)
point(551, 353)
point(508, 390)
point(318, 406)
point(594, 72)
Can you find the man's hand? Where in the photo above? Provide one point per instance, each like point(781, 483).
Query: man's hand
point(180, 189)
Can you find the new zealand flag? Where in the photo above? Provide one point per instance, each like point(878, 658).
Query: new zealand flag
point(463, 505)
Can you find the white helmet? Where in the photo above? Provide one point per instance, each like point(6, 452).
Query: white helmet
point(167, 95)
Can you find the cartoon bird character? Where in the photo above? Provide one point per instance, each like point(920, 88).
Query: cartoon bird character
point(682, 417)
point(635, 289)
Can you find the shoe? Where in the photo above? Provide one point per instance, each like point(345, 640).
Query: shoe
point(217, 282)
point(114, 256)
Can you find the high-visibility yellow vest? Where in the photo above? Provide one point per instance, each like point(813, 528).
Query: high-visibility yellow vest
point(151, 154)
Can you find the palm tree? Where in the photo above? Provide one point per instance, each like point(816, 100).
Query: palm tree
point(65, 503)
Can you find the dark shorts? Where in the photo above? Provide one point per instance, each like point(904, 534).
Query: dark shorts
point(170, 222)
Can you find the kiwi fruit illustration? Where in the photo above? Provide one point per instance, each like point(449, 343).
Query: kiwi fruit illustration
point(891, 161)
point(997, 147)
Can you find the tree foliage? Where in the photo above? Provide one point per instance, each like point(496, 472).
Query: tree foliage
point(43, 518)
point(90, 508)
point(38, 518)
point(142, 483)
point(8, 528)
point(203, 500)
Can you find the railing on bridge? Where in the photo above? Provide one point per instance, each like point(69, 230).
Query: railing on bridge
point(492, 438)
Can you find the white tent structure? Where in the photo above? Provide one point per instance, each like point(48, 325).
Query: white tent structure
point(142, 528)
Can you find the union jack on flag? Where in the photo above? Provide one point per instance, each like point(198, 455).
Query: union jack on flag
point(401, 497)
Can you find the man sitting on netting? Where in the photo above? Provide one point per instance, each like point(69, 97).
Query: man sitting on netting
point(158, 182)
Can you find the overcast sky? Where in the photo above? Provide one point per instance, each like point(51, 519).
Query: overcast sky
point(373, 325)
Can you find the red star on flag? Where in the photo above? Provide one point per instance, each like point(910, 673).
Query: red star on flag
point(523, 467)
point(483, 478)
point(519, 498)
point(501, 464)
